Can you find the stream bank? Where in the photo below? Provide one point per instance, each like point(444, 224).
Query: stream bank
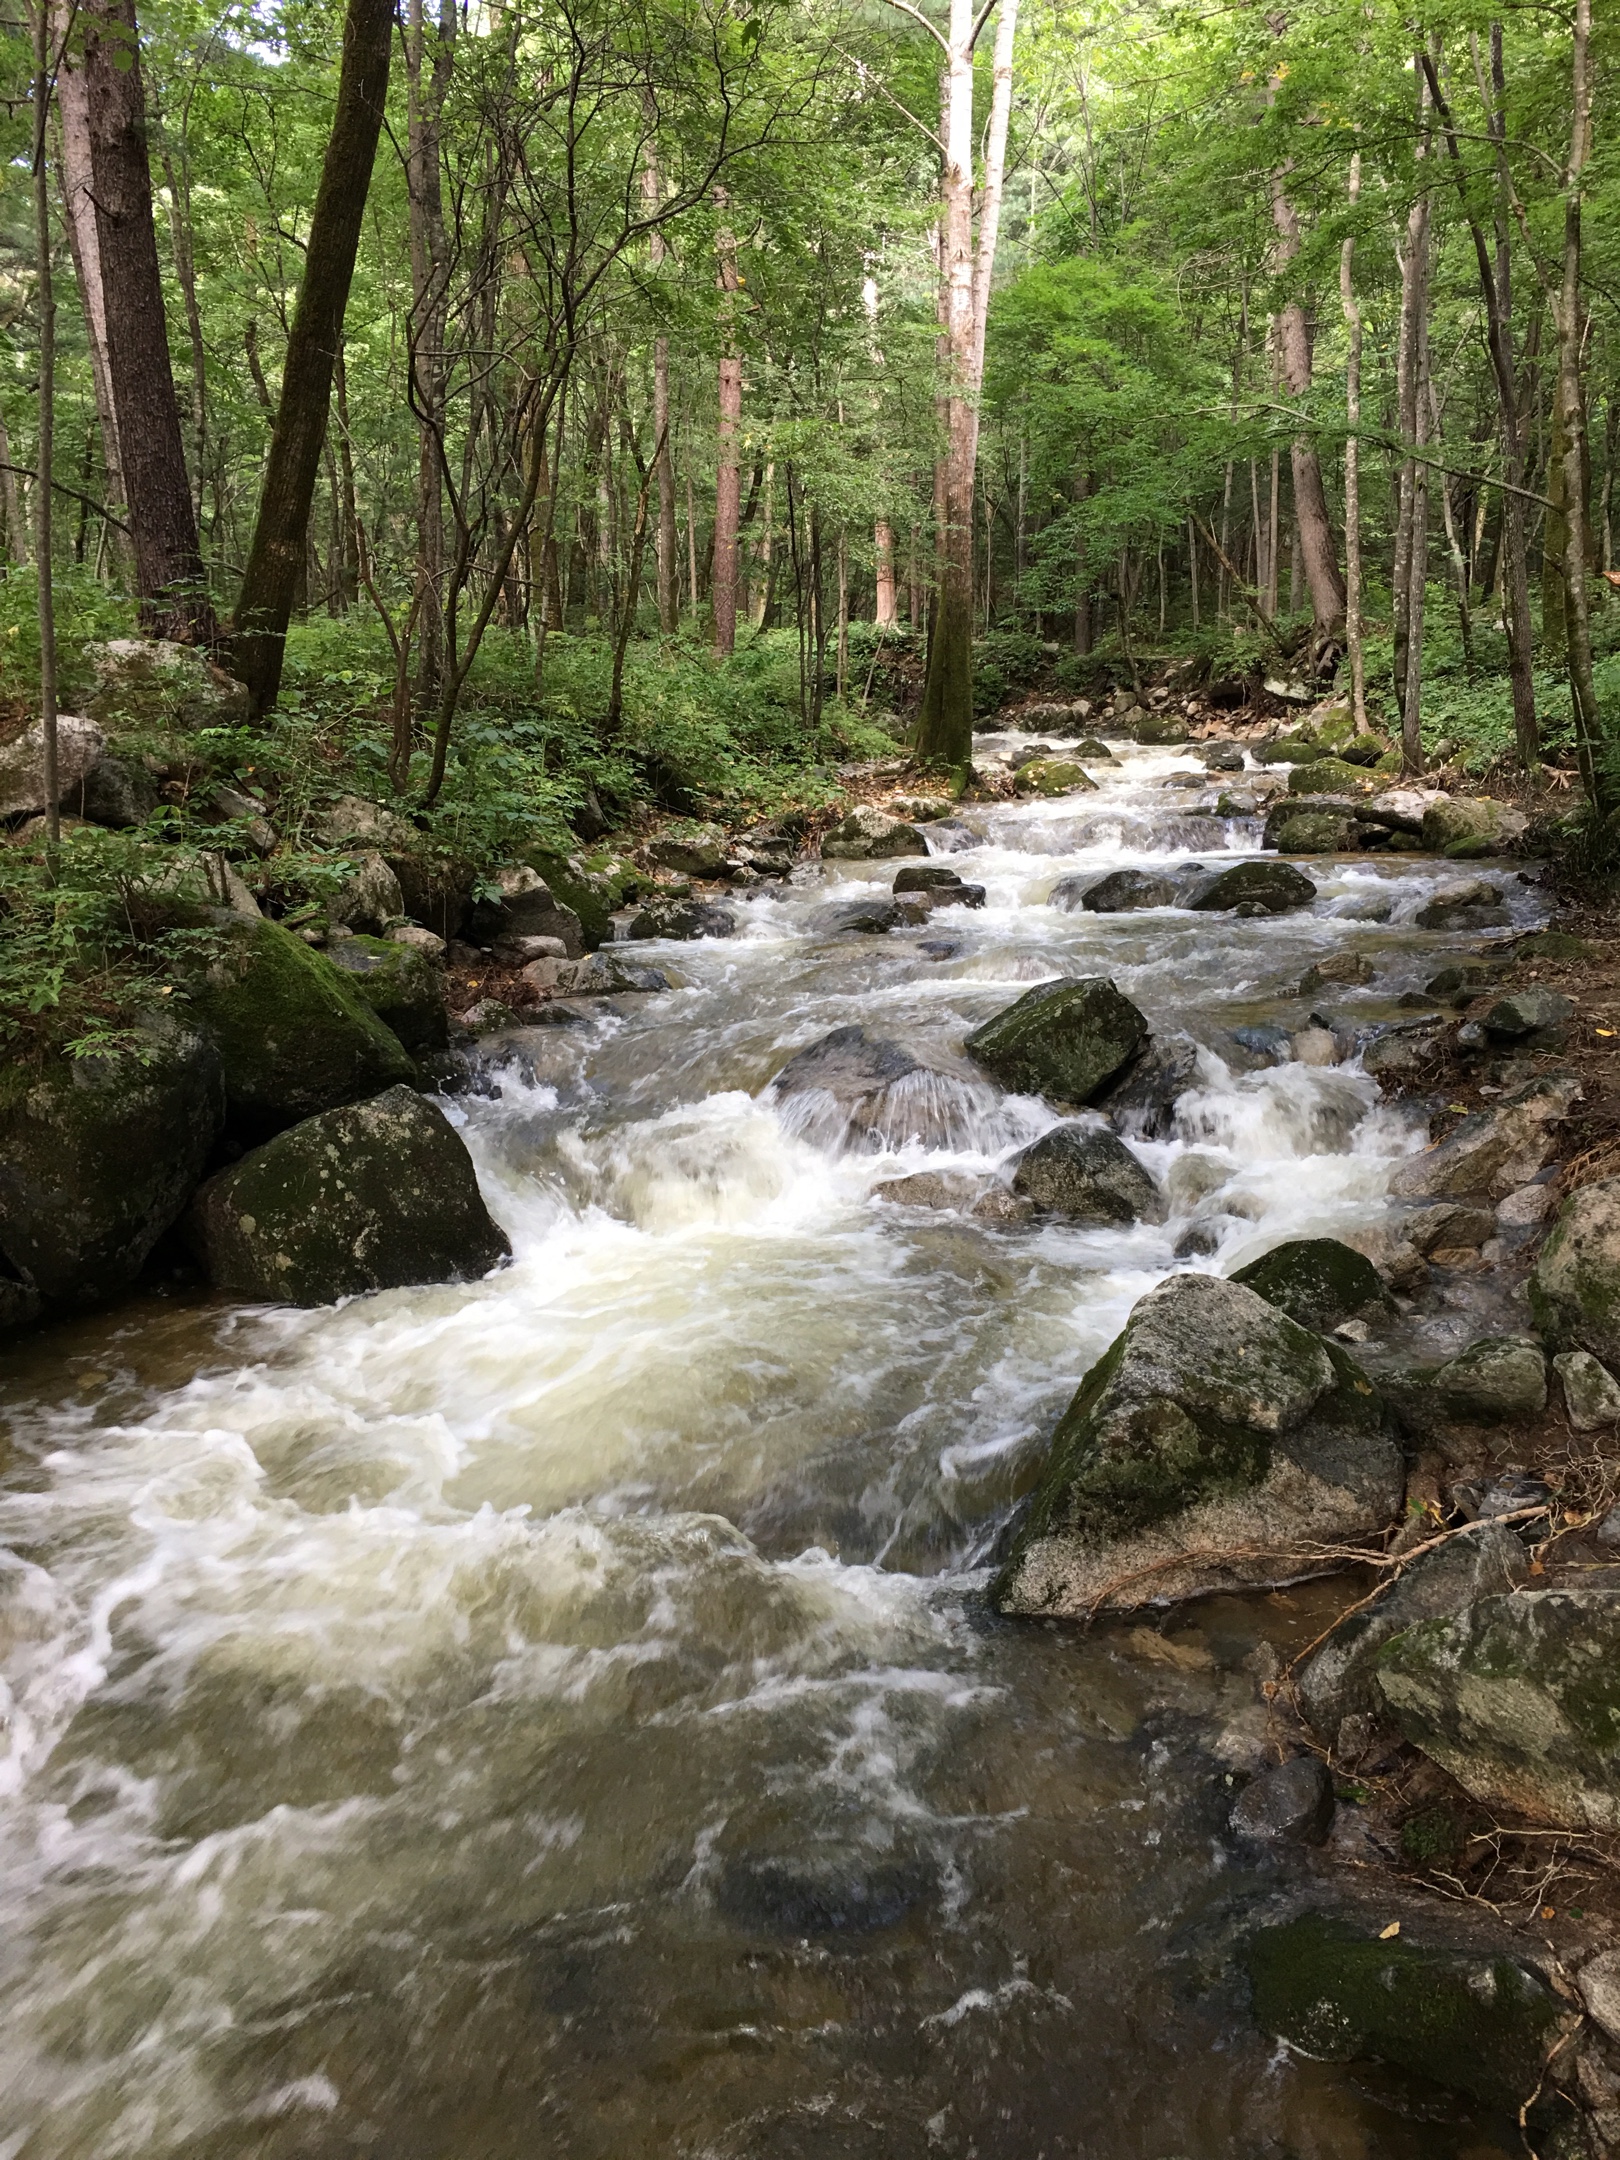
point(573, 1698)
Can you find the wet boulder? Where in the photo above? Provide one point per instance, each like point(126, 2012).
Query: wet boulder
point(1469, 904)
point(1331, 776)
point(1315, 826)
point(1217, 1445)
point(1054, 776)
point(924, 877)
point(294, 1032)
point(402, 987)
point(1064, 1040)
point(1591, 1392)
point(850, 1090)
point(99, 1155)
point(1088, 1175)
point(868, 917)
point(1343, 967)
point(1518, 1697)
point(698, 851)
point(1220, 756)
point(1260, 888)
point(1317, 1282)
point(665, 916)
point(1347, 1990)
point(1142, 1101)
point(1460, 827)
point(1463, 982)
point(1291, 1803)
point(865, 832)
point(369, 900)
point(155, 686)
point(1494, 1152)
point(1496, 1380)
point(1159, 730)
point(80, 745)
point(1575, 1286)
point(375, 1196)
point(1339, 1680)
point(1122, 892)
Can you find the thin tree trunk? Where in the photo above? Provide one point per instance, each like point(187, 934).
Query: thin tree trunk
point(1596, 759)
point(843, 615)
point(1352, 465)
point(886, 614)
point(185, 269)
point(169, 576)
point(1192, 569)
point(350, 515)
point(1321, 561)
point(1459, 564)
point(427, 86)
point(1082, 604)
point(691, 542)
point(1273, 534)
point(265, 602)
point(1409, 559)
point(11, 502)
point(44, 455)
point(727, 487)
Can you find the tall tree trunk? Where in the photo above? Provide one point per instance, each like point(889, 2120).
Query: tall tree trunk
point(185, 269)
point(1321, 560)
point(727, 486)
point(1596, 756)
point(1352, 464)
point(666, 551)
point(11, 502)
point(944, 733)
point(1409, 544)
point(429, 65)
point(78, 193)
point(44, 455)
point(265, 601)
point(1555, 533)
point(169, 576)
point(886, 614)
point(349, 516)
point(1082, 568)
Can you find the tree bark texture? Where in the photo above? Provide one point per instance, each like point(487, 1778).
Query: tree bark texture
point(169, 577)
point(1410, 527)
point(887, 614)
point(73, 113)
point(429, 64)
point(44, 456)
point(1352, 467)
point(727, 486)
point(1321, 561)
point(277, 552)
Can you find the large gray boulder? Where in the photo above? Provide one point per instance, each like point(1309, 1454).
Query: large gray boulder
point(1495, 1152)
point(1260, 888)
point(1575, 1286)
point(79, 747)
point(369, 900)
point(1063, 1040)
point(115, 792)
point(375, 1196)
point(295, 1035)
point(98, 1156)
point(527, 907)
point(1089, 1175)
point(154, 686)
point(866, 832)
point(1519, 1698)
point(1470, 904)
point(666, 916)
point(699, 851)
point(1340, 1679)
point(850, 1091)
point(1217, 1445)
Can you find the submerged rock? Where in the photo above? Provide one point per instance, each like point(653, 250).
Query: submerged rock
point(849, 1091)
point(1473, 904)
point(1084, 1172)
point(294, 1032)
point(1518, 1697)
point(866, 832)
point(1316, 1281)
point(375, 1196)
point(869, 917)
point(1213, 1446)
point(822, 1893)
point(1340, 1679)
point(98, 1156)
point(1291, 1803)
point(1575, 1286)
point(401, 985)
point(1064, 1040)
point(1341, 1990)
point(1346, 967)
point(1122, 892)
point(1142, 1101)
point(1267, 888)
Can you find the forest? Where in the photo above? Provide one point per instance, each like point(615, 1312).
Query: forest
point(550, 413)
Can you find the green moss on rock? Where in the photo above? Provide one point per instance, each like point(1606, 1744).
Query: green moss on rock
point(1575, 1287)
point(295, 1035)
point(1317, 1282)
point(1479, 2024)
point(375, 1196)
point(1065, 1041)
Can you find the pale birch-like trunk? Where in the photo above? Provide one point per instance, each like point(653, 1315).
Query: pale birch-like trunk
point(887, 614)
point(1410, 529)
point(727, 486)
point(1352, 464)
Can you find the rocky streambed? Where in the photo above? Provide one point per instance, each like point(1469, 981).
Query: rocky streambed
point(829, 1648)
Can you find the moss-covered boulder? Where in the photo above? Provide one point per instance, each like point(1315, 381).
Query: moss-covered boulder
point(1121, 892)
point(375, 1196)
point(99, 1155)
point(1339, 1991)
point(1519, 1698)
point(1054, 776)
point(1331, 776)
point(1088, 1175)
point(1340, 1680)
point(402, 987)
point(1064, 1040)
point(294, 1032)
point(1495, 1381)
point(1215, 1446)
point(1575, 1287)
point(595, 886)
point(1258, 888)
point(694, 849)
point(1289, 750)
point(152, 686)
point(1316, 1281)
point(1159, 730)
point(867, 832)
point(1312, 832)
point(1461, 827)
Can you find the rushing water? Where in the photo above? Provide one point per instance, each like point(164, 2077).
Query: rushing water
point(559, 1715)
